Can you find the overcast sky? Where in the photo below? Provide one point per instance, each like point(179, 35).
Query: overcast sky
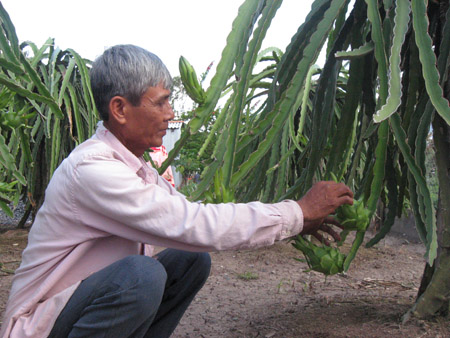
point(196, 29)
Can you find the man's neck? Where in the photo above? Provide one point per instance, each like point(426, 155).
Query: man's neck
point(116, 132)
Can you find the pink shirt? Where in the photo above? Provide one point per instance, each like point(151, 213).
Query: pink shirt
point(101, 204)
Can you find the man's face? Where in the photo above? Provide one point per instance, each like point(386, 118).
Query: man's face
point(146, 124)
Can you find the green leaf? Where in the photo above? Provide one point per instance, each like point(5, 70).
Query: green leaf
point(10, 30)
point(359, 238)
point(283, 107)
point(377, 36)
point(401, 20)
point(17, 88)
point(391, 186)
point(241, 25)
point(86, 91)
point(6, 158)
point(429, 215)
point(379, 166)
point(356, 53)
point(13, 67)
point(428, 59)
point(6, 209)
point(344, 136)
point(247, 14)
point(242, 86)
point(67, 74)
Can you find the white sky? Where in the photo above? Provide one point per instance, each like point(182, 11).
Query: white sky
point(196, 29)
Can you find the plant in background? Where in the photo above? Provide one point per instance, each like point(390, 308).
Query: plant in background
point(364, 115)
point(6, 190)
point(219, 193)
point(46, 109)
point(189, 163)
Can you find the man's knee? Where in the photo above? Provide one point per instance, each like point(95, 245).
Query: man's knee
point(203, 261)
point(146, 273)
point(198, 261)
point(180, 264)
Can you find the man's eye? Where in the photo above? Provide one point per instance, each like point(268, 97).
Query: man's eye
point(158, 103)
point(164, 102)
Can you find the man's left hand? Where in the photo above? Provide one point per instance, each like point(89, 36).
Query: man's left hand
point(313, 227)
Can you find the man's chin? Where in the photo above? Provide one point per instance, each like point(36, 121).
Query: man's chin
point(156, 145)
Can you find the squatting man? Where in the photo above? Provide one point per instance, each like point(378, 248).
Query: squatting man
point(88, 269)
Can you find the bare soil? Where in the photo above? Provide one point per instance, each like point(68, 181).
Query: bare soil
point(266, 293)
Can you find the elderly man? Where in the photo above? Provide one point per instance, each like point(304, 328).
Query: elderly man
point(88, 269)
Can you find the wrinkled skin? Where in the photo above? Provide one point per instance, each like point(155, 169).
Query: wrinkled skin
point(319, 203)
point(143, 126)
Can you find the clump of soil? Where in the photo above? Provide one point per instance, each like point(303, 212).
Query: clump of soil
point(266, 293)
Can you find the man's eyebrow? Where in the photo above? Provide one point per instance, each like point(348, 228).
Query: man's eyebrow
point(160, 98)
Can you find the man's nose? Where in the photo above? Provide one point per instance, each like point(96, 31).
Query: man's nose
point(170, 112)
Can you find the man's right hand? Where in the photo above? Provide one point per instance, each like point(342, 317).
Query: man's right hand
point(323, 199)
point(319, 202)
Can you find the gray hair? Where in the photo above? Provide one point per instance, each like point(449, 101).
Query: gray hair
point(127, 71)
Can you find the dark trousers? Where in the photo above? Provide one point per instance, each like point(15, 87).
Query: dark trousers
point(137, 296)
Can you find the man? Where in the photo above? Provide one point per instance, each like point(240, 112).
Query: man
point(85, 271)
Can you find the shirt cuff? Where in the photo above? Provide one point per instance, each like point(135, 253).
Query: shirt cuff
point(292, 216)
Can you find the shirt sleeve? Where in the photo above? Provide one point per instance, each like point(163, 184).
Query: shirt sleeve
point(110, 198)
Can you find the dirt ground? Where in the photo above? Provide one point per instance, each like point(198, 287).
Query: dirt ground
point(266, 293)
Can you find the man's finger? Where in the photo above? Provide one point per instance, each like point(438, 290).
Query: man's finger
point(345, 199)
point(320, 238)
point(331, 232)
point(344, 190)
point(333, 221)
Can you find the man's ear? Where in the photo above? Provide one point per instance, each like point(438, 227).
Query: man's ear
point(117, 109)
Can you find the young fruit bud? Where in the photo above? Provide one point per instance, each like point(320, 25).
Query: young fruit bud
point(325, 259)
point(353, 217)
